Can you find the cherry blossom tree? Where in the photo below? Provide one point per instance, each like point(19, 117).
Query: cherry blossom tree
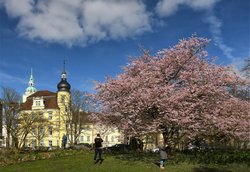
point(179, 92)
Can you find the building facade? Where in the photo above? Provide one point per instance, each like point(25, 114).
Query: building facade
point(45, 116)
point(110, 135)
point(42, 120)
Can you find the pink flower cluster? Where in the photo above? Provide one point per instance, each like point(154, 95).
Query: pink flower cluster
point(179, 86)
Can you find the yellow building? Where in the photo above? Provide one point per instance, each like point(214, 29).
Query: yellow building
point(45, 117)
point(42, 120)
point(110, 135)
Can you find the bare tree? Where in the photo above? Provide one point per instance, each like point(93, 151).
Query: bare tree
point(33, 124)
point(41, 128)
point(76, 114)
point(80, 105)
point(67, 119)
point(11, 107)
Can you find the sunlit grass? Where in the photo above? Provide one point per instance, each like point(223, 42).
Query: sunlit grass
point(115, 163)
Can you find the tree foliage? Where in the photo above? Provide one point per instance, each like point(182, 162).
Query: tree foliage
point(246, 68)
point(179, 92)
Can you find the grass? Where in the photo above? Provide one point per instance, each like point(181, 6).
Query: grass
point(115, 163)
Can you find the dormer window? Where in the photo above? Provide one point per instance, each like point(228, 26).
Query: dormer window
point(38, 103)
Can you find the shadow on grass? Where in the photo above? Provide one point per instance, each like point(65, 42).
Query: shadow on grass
point(100, 161)
point(133, 157)
point(209, 169)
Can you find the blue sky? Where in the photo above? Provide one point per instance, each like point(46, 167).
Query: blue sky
point(97, 37)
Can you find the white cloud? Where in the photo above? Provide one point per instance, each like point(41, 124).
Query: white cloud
point(215, 27)
point(79, 21)
point(18, 8)
point(166, 8)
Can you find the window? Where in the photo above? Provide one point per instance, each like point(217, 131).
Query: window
point(33, 143)
point(41, 130)
point(63, 75)
point(34, 130)
point(38, 103)
point(42, 143)
point(106, 139)
point(82, 139)
point(118, 138)
point(112, 139)
point(88, 138)
point(63, 98)
point(50, 143)
point(50, 131)
point(88, 128)
point(50, 116)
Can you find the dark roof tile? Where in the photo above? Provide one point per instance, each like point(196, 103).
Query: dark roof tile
point(50, 100)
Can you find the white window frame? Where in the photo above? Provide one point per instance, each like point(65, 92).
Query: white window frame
point(50, 143)
point(50, 115)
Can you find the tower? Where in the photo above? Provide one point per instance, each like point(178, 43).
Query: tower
point(63, 102)
point(31, 87)
point(63, 90)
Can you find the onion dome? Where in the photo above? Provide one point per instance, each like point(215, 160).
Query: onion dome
point(63, 85)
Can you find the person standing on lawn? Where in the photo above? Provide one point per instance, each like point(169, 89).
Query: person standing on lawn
point(163, 149)
point(64, 141)
point(98, 148)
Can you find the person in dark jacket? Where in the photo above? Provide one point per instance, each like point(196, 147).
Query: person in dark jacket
point(98, 148)
point(163, 149)
point(64, 141)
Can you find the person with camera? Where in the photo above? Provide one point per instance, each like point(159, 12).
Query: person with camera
point(98, 148)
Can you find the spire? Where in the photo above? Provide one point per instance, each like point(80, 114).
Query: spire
point(31, 85)
point(64, 66)
point(31, 81)
point(64, 75)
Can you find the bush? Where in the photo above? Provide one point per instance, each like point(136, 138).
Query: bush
point(216, 157)
point(11, 156)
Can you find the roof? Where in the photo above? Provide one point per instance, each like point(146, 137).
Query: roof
point(63, 85)
point(50, 100)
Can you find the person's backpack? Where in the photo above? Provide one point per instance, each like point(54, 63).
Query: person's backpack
point(98, 142)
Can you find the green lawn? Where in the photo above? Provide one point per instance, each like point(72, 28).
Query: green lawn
point(122, 163)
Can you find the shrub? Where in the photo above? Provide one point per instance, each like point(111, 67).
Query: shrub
point(217, 157)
